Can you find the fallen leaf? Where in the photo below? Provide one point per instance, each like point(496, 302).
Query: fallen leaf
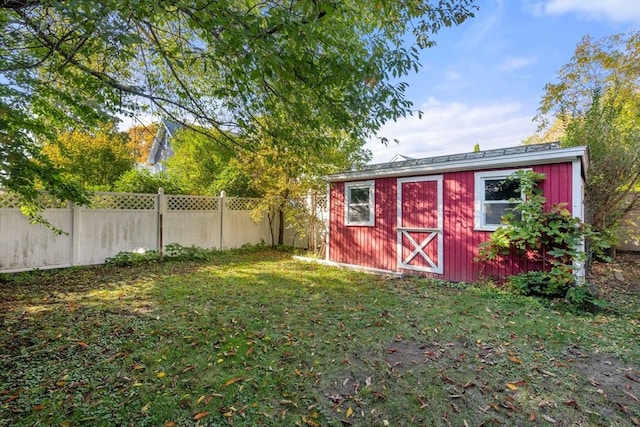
point(201, 398)
point(379, 394)
point(571, 402)
point(532, 417)
point(636, 420)
point(515, 359)
point(161, 374)
point(83, 344)
point(512, 386)
point(38, 407)
point(66, 424)
point(309, 422)
point(200, 415)
point(447, 379)
point(349, 412)
point(169, 424)
point(543, 372)
point(288, 402)
point(233, 381)
point(146, 407)
point(12, 398)
point(548, 418)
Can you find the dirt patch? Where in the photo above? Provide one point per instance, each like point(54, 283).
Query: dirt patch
point(402, 356)
point(594, 386)
point(614, 381)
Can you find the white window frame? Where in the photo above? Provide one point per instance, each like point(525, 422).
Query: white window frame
point(371, 186)
point(480, 202)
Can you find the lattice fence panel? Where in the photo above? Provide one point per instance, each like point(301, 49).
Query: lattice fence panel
point(192, 203)
point(123, 201)
point(48, 201)
point(9, 200)
point(12, 201)
point(321, 203)
point(241, 203)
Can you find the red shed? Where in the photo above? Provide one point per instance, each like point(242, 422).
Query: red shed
point(428, 216)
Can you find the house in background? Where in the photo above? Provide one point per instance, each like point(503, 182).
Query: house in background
point(400, 158)
point(428, 216)
point(161, 148)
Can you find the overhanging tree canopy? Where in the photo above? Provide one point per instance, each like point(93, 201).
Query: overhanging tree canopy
point(218, 64)
point(596, 99)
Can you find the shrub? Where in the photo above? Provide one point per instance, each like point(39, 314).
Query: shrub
point(538, 283)
point(143, 181)
point(545, 284)
point(553, 237)
point(175, 252)
point(128, 259)
point(187, 253)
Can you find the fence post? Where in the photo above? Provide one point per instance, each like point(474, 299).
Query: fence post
point(161, 209)
point(222, 202)
point(75, 233)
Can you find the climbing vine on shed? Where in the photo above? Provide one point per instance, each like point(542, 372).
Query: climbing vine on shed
point(553, 237)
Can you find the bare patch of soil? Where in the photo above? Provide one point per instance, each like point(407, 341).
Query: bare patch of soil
point(614, 381)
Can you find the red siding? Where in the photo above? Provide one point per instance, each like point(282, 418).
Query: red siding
point(419, 204)
point(367, 246)
point(376, 246)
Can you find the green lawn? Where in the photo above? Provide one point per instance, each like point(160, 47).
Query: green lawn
point(257, 338)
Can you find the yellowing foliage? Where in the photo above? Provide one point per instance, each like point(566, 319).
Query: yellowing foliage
point(96, 159)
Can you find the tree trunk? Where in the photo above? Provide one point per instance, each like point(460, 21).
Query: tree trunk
point(281, 227)
point(270, 217)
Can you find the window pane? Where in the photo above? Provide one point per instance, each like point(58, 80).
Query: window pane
point(493, 212)
point(501, 189)
point(359, 195)
point(359, 213)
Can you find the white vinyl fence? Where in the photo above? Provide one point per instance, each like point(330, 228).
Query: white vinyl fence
point(118, 222)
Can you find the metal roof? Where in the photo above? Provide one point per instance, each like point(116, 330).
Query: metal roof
point(501, 157)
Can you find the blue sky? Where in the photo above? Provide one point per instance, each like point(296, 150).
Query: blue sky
point(483, 80)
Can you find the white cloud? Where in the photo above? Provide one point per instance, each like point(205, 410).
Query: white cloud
point(450, 128)
point(512, 64)
point(452, 76)
point(483, 23)
point(597, 10)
